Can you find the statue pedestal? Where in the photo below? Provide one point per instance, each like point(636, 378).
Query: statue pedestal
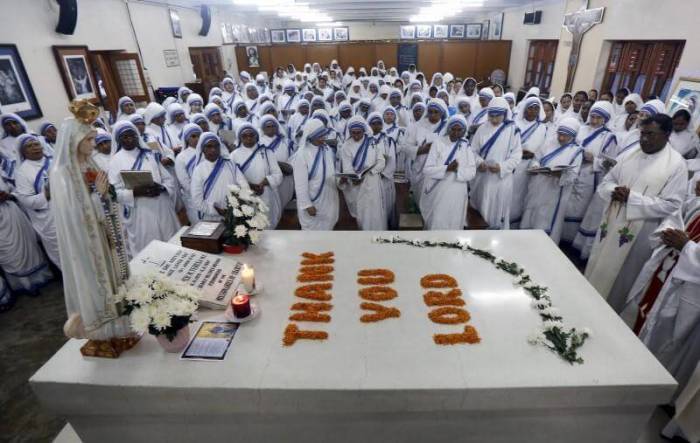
point(108, 348)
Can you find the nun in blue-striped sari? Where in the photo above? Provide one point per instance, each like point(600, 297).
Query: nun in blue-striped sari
point(496, 145)
point(31, 181)
point(149, 210)
point(273, 137)
point(259, 167)
point(428, 129)
point(185, 163)
point(212, 177)
point(597, 141)
point(548, 192)
point(450, 165)
point(314, 179)
point(480, 111)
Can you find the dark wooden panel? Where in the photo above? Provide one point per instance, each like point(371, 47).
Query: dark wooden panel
point(357, 55)
point(285, 54)
point(429, 58)
point(322, 54)
point(389, 53)
point(459, 58)
point(492, 55)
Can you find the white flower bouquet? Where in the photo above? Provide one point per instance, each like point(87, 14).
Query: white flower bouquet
point(246, 217)
point(158, 305)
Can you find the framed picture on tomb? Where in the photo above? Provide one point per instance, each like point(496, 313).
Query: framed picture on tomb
point(76, 71)
point(16, 92)
point(424, 31)
point(308, 35)
point(473, 31)
point(686, 95)
point(440, 31)
point(293, 35)
point(456, 31)
point(408, 32)
point(325, 34)
point(278, 36)
point(341, 34)
point(175, 23)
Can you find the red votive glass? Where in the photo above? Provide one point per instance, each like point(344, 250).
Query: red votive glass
point(241, 305)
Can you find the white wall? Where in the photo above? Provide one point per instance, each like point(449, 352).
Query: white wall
point(630, 20)
point(521, 35)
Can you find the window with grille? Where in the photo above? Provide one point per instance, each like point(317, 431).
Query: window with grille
point(129, 76)
point(643, 67)
point(540, 64)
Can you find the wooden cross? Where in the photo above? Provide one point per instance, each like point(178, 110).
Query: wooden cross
point(577, 23)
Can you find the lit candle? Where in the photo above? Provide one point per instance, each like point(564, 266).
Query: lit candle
point(241, 305)
point(248, 278)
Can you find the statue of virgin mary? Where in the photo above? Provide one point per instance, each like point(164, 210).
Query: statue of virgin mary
point(90, 234)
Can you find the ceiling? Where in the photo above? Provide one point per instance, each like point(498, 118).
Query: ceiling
point(380, 11)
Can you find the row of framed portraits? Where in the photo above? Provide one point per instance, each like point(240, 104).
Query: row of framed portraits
point(339, 34)
point(486, 30)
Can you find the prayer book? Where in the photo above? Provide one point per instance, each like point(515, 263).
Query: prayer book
point(354, 175)
point(545, 169)
point(205, 237)
point(132, 179)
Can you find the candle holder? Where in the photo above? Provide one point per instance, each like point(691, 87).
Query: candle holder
point(234, 309)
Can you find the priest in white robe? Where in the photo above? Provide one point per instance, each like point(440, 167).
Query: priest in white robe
point(450, 166)
point(549, 190)
point(145, 203)
point(645, 187)
point(33, 193)
point(260, 168)
point(496, 145)
point(212, 177)
point(314, 180)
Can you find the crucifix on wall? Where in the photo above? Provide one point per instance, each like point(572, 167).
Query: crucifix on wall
point(577, 23)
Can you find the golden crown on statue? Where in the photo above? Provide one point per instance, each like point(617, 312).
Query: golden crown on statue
point(84, 111)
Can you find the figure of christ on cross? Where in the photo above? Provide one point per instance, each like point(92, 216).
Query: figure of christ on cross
point(578, 23)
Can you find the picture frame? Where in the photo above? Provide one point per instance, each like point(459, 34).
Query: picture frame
point(16, 92)
point(440, 31)
point(496, 28)
point(457, 31)
point(175, 24)
point(293, 35)
point(278, 36)
point(325, 34)
point(685, 95)
point(308, 34)
point(226, 33)
point(341, 34)
point(408, 32)
point(485, 26)
point(424, 31)
point(253, 56)
point(473, 31)
point(77, 73)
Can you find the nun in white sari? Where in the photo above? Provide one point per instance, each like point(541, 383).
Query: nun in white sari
point(146, 203)
point(448, 169)
point(31, 180)
point(314, 180)
point(419, 142)
point(548, 191)
point(497, 146)
point(91, 240)
point(360, 155)
point(185, 163)
point(11, 127)
point(212, 177)
point(273, 138)
point(260, 168)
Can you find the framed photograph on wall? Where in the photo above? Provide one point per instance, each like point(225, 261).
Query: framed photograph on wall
point(486, 25)
point(308, 35)
point(278, 36)
point(78, 78)
point(686, 95)
point(424, 31)
point(496, 29)
point(456, 31)
point(440, 31)
point(251, 53)
point(226, 33)
point(175, 23)
point(473, 31)
point(408, 32)
point(325, 34)
point(16, 92)
point(341, 34)
point(293, 35)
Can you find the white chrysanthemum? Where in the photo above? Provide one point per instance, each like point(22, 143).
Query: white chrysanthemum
point(551, 311)
point(254, 236)
point(259, 221)
point(237, 212)
point(245, 194)
point(140, 320)
point(535, 337)
point(233, 201)
point(248, 211)
point(548, 325)
point(240, 231)
point(234, 189)
point(262, 207)
point(161, 320)
point(540, 305)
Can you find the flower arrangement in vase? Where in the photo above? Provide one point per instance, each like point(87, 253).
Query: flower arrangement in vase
point(245, 219)
point(162, 307)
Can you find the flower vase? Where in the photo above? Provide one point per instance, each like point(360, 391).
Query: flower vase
point(178, 343)
point(234, 249)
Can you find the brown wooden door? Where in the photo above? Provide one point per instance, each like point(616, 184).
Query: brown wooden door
point(207, 66)
point(540, 64)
